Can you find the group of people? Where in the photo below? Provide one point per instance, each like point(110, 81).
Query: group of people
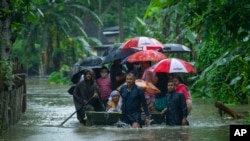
point(101, 94)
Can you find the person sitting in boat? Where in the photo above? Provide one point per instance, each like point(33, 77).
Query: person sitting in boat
point(87, 96)
point(182, 88)
point(114, 104)
point(149, 76)
point(160, 98)
point(104, 83)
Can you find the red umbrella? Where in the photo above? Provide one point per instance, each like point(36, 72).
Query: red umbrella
point(148, 87)
point(146, 55)
point(143, 43)
point(173, 65)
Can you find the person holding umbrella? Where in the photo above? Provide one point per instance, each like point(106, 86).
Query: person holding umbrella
point(132, 100)
point(117, 74)
point(149, 76)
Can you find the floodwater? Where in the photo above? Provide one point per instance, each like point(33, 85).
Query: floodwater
point(49, 105)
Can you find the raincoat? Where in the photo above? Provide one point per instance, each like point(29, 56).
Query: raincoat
point(83, 94)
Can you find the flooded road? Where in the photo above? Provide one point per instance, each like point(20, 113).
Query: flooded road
point(49, 105)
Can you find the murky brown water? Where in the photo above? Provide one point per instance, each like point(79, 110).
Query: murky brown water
point(49, 105)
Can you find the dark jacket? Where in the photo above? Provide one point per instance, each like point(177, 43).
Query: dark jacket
point(83, 94)
point(176, 108)
point(133, 100)
point(116, 71)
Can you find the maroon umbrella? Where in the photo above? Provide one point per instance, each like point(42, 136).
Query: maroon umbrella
point(146, 55)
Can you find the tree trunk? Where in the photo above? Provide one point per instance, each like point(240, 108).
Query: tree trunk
point(121, 30)
point(47, 56)
point(5, 31)
point(58, 55)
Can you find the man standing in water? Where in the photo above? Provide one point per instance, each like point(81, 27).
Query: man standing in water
point(87, 94)
point(176, 110)
point(132, 100)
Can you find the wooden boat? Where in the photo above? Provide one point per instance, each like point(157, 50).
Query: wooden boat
point(110, 118)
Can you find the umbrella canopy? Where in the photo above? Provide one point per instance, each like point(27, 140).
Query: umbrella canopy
point(77, 71)
point(111, 49)
point(116, 53)
point(143, 43)
point(146, 55)
point(175, 48)
point(91, 61)
point(173, 65)
point(147, 86)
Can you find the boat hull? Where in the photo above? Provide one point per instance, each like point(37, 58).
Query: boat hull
point(110, 118)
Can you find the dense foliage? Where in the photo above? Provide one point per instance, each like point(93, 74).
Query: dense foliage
point(53, 35)
point(218, 32)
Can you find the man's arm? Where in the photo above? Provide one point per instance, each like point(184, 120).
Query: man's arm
point(144, 103)
point(145, 107)
point(184, 109)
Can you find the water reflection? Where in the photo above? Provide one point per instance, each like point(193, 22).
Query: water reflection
point(49, 105)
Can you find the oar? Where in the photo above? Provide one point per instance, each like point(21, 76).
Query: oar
point(75, 112)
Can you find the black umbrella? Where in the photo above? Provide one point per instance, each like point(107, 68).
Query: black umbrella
point(92, 62)
point(76, 73)
point(111, 49)
point(175, 48)
point(115, 53)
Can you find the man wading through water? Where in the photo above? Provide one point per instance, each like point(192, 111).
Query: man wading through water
point(132, 100)
point(87, 94)
point(176, 110)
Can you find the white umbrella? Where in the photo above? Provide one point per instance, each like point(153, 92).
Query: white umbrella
point(173, 65)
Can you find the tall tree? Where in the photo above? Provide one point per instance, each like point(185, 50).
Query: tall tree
point(121, 28)
point(5, 29)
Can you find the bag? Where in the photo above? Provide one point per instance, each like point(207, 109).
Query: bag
point(160, 103)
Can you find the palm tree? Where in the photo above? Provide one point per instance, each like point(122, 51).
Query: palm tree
point(52, 25)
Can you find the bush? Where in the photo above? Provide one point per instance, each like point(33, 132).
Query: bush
point(60, 77)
